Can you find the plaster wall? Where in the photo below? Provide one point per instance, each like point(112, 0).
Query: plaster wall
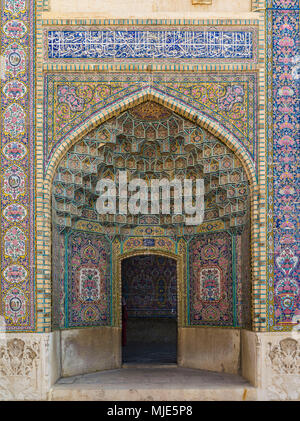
point(249, 356)
point(214, 349)
point(90, 349)
point(147, 8)
point(54, 360)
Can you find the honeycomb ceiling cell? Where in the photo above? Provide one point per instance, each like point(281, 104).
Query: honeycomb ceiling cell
point(151, 142)
point(150, 111)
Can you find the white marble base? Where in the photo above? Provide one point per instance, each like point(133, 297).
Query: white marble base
point(30, 364)
point(271, 362)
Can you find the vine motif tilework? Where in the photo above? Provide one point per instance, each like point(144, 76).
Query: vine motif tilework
point(17, 163)
point(283, 157)
point(229, 99)
point(219, 291)
point(149, 286)
point(159, 44)
point(212, 291)
point(89, 289)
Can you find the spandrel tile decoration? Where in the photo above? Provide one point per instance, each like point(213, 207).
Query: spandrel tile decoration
point(208, 92)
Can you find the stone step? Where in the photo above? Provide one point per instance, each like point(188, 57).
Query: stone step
point(153, 384)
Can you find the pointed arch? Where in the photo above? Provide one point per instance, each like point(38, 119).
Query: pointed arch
point(183, 110)
point(152, 94)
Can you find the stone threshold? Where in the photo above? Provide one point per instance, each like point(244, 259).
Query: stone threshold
point(153, 384)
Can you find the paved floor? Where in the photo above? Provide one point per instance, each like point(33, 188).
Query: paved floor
point(161, 383)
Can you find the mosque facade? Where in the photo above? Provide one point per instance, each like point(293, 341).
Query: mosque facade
point(154, 90)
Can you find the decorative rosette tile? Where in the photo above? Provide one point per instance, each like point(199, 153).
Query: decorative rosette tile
point(286, 297)
point(287, 261)
point(15, 59)
point(14, 89)
point(90, 314)
point(15, 243)
point(14, 212)
point(89, 284)
point(15, 6)
point(210, 283)
point(14, 120)
point(15, 29)
point(15, 273)
point(14, 182)
point(15, 305)
point(14, 151)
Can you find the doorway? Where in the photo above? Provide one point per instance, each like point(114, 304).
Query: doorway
point(149, 310)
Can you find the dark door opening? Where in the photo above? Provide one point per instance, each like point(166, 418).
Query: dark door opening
point(149, 292)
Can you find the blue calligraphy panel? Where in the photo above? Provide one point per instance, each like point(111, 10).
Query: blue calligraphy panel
point(150, 44)
point(148, 242)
